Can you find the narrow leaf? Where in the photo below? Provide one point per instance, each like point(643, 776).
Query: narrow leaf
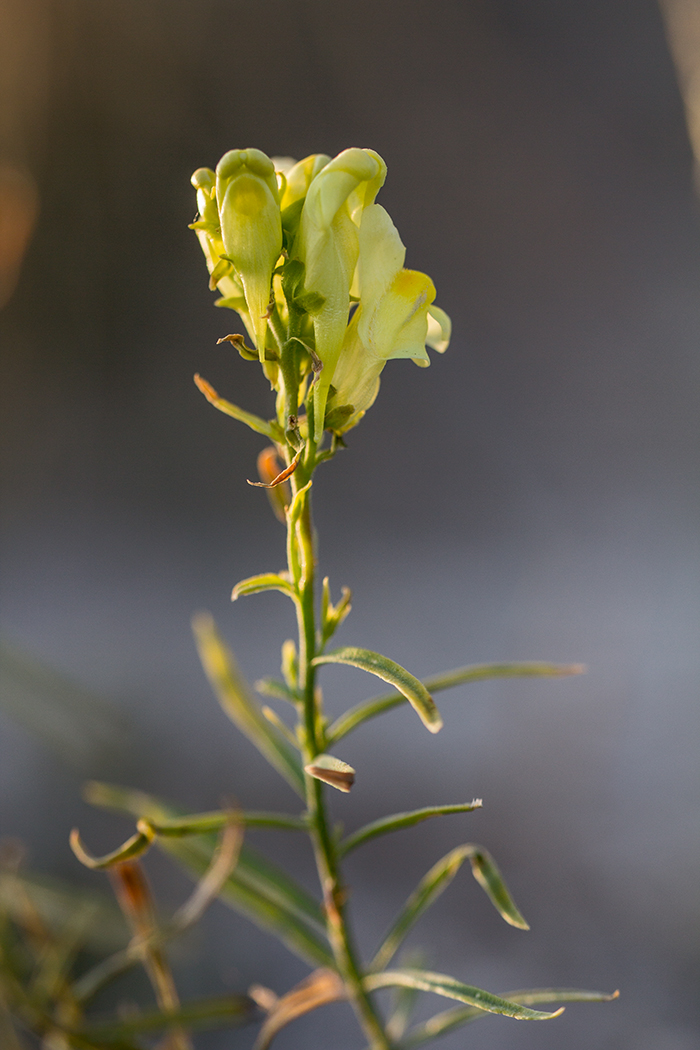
point(491, 881)
point(321, 987)
point(449, 679)
point(260, 426)
point(332, 771)
point(408, 685)
point(132, 848)
point(201, 823)
point(426, 893)
point(242, 708)
point(257, 888)
point(441, 984)
point(398, 821)
point(448, 1020)
point(267, 581)
point(202, 1013)
point(223, 862)
point(278, 690)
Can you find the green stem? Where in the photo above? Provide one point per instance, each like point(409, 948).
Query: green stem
point(325, 848)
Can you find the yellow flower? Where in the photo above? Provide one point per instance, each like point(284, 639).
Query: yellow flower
point(328, 244)
point(395, 317)
point(208, 232)
point(249, 214)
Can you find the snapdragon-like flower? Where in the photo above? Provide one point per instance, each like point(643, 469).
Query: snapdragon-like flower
point(395, 317)
point(328, 245)
point(249, 214)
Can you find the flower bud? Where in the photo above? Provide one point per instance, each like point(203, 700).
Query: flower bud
point(251, 229)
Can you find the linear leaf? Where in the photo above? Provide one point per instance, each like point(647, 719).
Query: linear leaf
point(257, 887)
point(448, 680)
point(441, 984)
point(426, 893)
point(397, 821)
point(411, 688)
point(260, 426)
point(448, 1020)
point(241, 706)
point(202, 1013)
point(201, 823)
point(266, 581)
point(133, 847)
point(491, 881)
point(278, 690)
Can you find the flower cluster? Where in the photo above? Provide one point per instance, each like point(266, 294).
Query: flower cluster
point(315, 270)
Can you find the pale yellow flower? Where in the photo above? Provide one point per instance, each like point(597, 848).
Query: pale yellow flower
point(328, 245)
point(249, 213)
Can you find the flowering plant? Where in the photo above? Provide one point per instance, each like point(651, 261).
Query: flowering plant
point(314, 269)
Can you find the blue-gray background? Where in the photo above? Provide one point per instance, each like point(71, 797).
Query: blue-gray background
point(533, 495)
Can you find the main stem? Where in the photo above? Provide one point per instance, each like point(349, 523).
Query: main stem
point(322, 837)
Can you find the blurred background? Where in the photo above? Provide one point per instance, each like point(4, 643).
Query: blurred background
point(533, 495)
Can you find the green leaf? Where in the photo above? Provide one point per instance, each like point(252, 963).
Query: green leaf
point(257, 888)
point(239, 704)
point(426, 893)
point(438, 879)
point(267, 581)
point(491, 881)
point(449, 679)
point(398, 821)
point(408, 685)
point(448, 1020)
point(202, 1013)
point(133, 847)
point(441, 984)
point(203, 823)
point(260, 426)
point(278, 690)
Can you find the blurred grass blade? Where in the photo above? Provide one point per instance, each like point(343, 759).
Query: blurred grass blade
point(202, 1013)
point(103, 927)
point(77, 725)
point(222, 865)
point(491, 881)
point(257, 888)
point(398, 821)
point(9, 1039)
point(266, 581)
point(441, 984)
point(448, 680)
point(321, 987)
point(408, 685)
point(136, 901)
point(239, 704)
point(426, 893)
point(449, 1020)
